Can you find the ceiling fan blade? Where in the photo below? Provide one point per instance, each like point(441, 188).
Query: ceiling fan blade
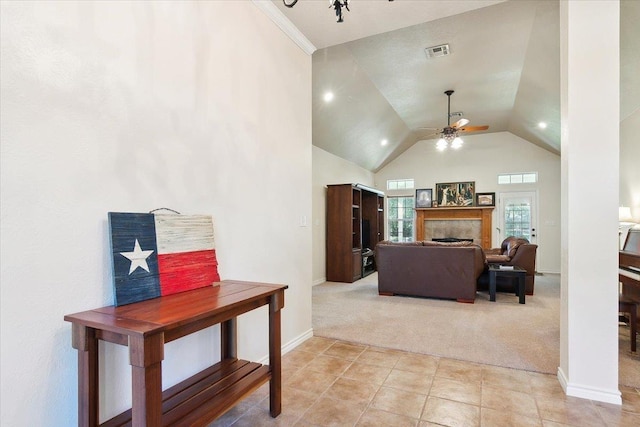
point(428, 135)
point(428, 131)
point(473, 128)
point(460, 123)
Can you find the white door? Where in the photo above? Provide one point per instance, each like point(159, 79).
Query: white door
point(518, 215)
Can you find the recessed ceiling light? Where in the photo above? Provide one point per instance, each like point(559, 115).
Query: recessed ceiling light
point(328, 96)
point(384, 142)
point(542, 125)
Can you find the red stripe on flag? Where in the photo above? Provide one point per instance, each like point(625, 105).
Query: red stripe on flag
point(187, 270)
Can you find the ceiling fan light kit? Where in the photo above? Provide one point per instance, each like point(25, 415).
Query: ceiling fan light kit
point(450, 134)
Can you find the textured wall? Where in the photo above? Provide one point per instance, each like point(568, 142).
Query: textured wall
point(203, 107)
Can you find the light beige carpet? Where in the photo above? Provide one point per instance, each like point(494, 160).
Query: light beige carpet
point(502, 333)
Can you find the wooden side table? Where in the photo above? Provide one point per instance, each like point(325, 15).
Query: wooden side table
point(147, 325)
point(518, 272)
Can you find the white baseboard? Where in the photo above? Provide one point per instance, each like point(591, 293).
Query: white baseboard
point(290, 345)
point(586, 392)
point(319, 281)
point(297, 341)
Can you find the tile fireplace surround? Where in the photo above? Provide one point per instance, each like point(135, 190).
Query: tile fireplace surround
point(465, 223)
point(456, 228)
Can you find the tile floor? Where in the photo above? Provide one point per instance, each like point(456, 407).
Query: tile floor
point(335, 383)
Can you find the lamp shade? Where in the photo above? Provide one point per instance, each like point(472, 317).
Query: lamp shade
point(624, 214)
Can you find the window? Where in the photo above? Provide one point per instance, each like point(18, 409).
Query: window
point(517, 220)
point(518, 178)
point(400, 214)
point(399, 184)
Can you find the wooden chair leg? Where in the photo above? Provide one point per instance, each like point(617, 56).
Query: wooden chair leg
point(632, 309)
point(633, 320)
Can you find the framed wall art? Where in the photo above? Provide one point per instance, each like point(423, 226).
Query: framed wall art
point(160, 254)
point(424, 198)
point(455, 194)
point(485, 199)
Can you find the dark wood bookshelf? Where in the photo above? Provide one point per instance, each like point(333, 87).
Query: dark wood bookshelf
point(355, 224)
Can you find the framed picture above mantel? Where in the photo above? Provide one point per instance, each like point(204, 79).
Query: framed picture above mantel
point(485, 199)
point(451, 194)
point(424, 197)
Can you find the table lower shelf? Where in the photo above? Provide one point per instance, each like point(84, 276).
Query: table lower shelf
point(200, 399)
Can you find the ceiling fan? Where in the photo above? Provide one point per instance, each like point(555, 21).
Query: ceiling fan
point(451, 133)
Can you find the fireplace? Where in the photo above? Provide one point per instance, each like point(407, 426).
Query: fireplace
point(472, 223)
point(453, 228)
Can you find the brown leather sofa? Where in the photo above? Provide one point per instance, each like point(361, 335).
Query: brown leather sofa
point(429, 269)
point(513, 251)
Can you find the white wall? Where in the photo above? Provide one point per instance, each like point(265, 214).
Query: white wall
point(329, 169)
point(481, 159)
point(630, 164)
point(131, 106)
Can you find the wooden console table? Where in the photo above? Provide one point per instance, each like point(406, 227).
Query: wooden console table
point(147, 325)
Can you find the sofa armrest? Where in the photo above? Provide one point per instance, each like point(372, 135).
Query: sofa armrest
point(525, 257)
point(498, 259)
point(493, 251)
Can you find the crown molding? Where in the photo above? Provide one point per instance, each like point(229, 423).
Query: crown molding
point(285, 25)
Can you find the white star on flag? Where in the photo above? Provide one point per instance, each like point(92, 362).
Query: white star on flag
point(138, 258)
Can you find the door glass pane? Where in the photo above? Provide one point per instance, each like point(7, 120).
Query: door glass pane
point(517, 220)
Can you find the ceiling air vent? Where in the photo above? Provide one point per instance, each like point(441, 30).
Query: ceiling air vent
point(437, 51)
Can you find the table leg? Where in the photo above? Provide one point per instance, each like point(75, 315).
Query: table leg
point(145, 355)
point(521, 288)
point(229, 339)
point(275, 384)
point(492, 286)
point(84, 340)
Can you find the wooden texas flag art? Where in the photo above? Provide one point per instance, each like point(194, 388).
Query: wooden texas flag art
point(160, 254)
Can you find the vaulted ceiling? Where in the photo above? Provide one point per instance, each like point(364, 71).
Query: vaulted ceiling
point(504, 66)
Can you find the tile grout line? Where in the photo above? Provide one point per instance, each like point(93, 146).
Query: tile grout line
point(600, 410)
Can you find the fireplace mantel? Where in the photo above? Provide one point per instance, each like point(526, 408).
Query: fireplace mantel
point(456, 213)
